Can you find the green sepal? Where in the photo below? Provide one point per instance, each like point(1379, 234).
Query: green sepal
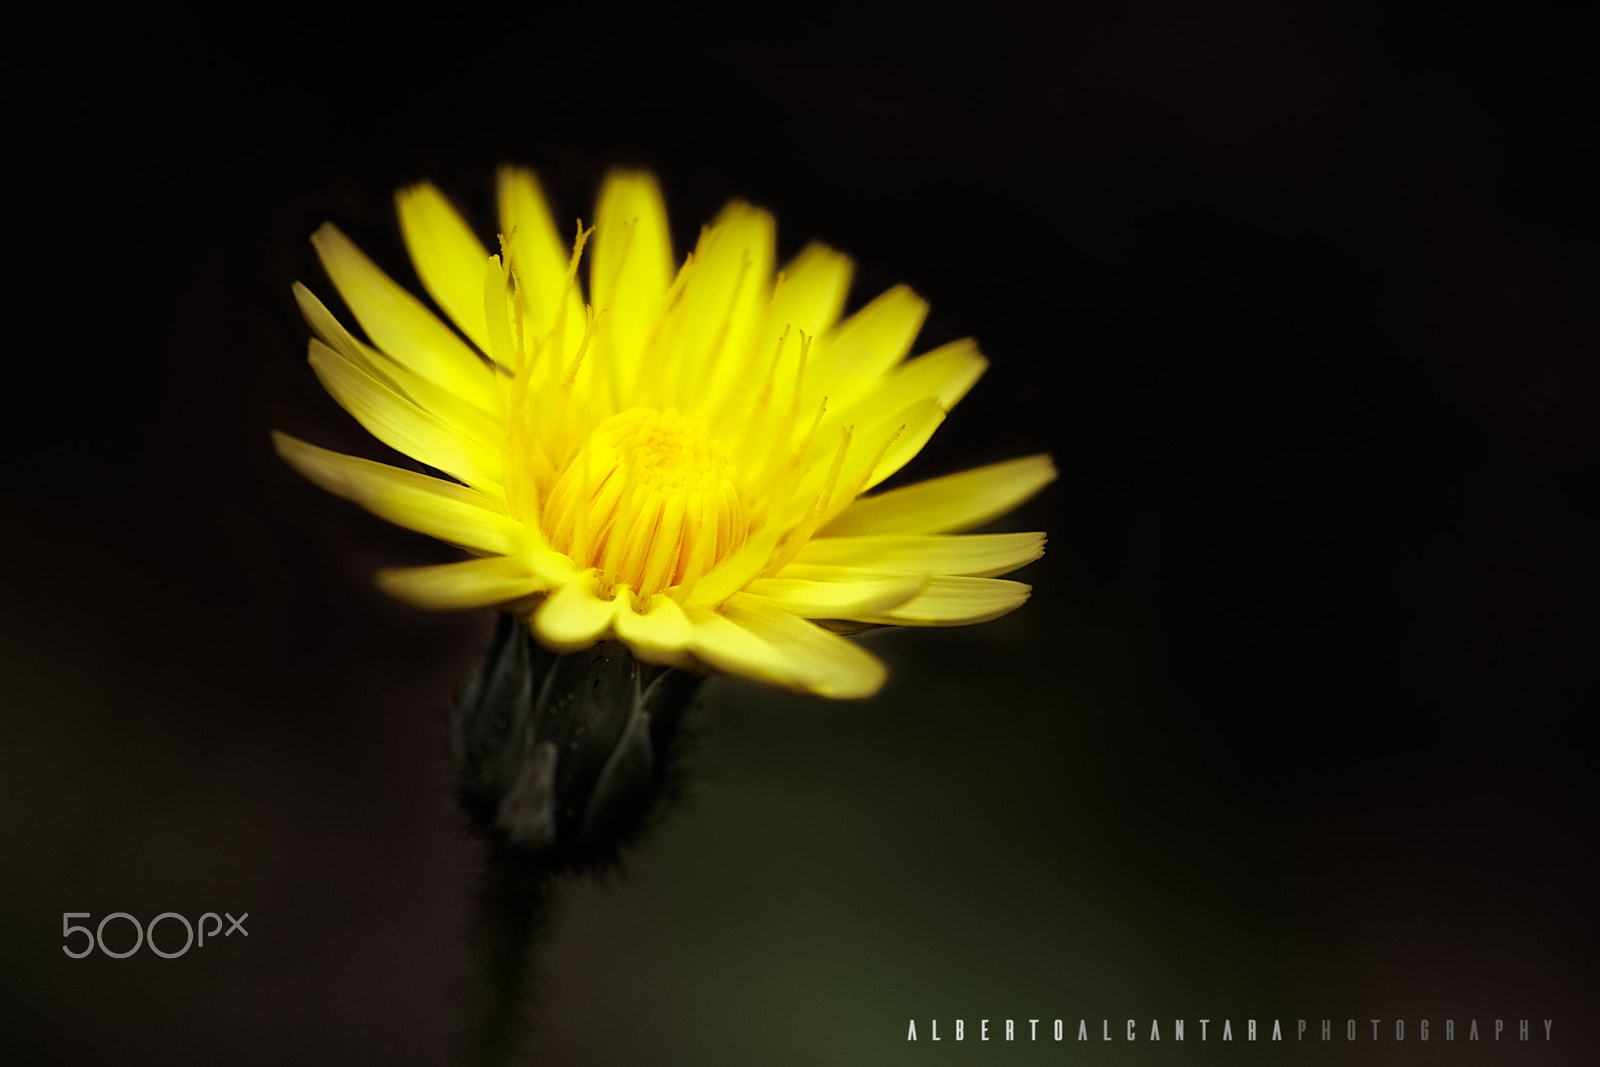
point(564, 756)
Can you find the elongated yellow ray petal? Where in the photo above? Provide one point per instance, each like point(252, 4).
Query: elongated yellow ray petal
point(725, 306)
point(846, 599)
point(879, 449)
point(810, 295)
point(853, 356)
point(659, 632)
point(632, 267)
point(915, 425)
point(951, 503)
point(978, 555)
point(400, 325)
point(575, 616)
point(428, 394)
point(731, 575)
point(473, 583)
point(747, 637)
point(539, 257)
point(331, 332)
point(404, 426)
point(448, 257)
point(946, 374)
point(472, 423)
point(456, 513)
point(947, 601)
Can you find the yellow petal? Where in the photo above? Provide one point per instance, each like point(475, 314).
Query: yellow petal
point(550, 567)
point(946, 373)
point(853, 356)
point(449, 258)
point(455, 513)
point(475, 426)
point(658, 632)
point(400, 325)
point(778, 369)
point(333, 334)
point(809, 296)
point(911, 430)
point(574, 616)
point(979, 555)
point(876, 451)
point(731, 575)
point(846, 599)
point(632, 267)
point(725, 302)
point(407, 382)
point(942, 505)
point(404, 426)
point(539, 257)
point(750, 638)
point(473, 583)
point(947, 601)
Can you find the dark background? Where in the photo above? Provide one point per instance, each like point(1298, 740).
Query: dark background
point(1298, 724)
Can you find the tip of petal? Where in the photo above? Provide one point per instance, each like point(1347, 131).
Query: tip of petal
point(327, 234)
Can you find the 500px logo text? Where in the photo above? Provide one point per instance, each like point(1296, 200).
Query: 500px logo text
point(145, 934)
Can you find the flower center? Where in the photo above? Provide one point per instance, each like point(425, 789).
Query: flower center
point(649, 501)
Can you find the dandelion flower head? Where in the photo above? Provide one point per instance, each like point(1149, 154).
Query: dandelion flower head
point(679, 462)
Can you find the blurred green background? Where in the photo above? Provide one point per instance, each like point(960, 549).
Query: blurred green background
point(1299, 723)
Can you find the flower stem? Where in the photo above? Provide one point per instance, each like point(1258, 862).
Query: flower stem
point(516, 906)
point(563, 760)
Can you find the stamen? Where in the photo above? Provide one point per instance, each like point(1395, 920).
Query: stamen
point(661, 493)
point(571, 377)
point(570, 282)
point(514, 293)
point(816, 512)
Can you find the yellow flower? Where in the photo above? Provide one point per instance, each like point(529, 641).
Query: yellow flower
point(679, 466)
